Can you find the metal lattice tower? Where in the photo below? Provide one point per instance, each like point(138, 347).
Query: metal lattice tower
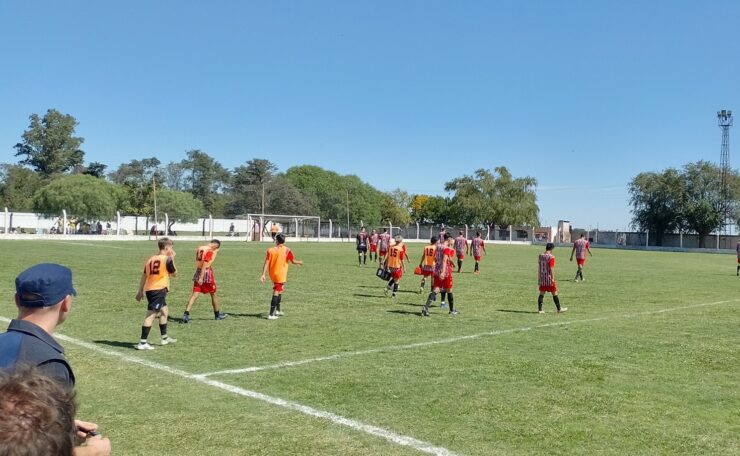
point(724, 120)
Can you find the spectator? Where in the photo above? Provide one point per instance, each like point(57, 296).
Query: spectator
point(231, 229)
point(99, 227)
point(44, 298)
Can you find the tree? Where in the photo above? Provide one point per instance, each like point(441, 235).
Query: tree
point(327, 192)
point(247, 184)
point(207, 178)
point(703, 200)
point(49, 145)
point(180, 207)
point(95, 169)
point(84, 197)
point(137, 178)
point(396, 207)
point(657, 202)
point(487, 198)
point(173, 176)
point(17, 187)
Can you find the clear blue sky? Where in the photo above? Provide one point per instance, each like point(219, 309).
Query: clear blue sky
point(581, 95)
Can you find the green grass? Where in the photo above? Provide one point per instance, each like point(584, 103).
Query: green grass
point(608, 377)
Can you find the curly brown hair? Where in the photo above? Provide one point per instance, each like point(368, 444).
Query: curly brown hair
point(37, 414)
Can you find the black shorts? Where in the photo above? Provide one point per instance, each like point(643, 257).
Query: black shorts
point(362, 248)
point(156, 299)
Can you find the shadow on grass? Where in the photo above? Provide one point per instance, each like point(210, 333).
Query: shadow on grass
point(404, 312)
point(379, 295)
point(517, 311)
point(115, 343)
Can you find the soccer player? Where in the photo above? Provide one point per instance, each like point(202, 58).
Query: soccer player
point(374, 238)
point(442, 280)
point(461, 246)
point(384, 241)
point(476, 246)
point(580, 247)
point(547, 279)
point(427, 262)
point(204, 280)
point(737, 248)
point(155, 282)
point(276, 262)
point(362, 238)
point(395, 264)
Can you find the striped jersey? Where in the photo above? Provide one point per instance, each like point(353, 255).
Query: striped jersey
point(738, 249)
point(477, 245)
point(460, 244)
point(443, 254)
point(362, 239)
point(374, 239)
point(581, 245)
point(385, 240)
point(203, 254)
point(547, 264)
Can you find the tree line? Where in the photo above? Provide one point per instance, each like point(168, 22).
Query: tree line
point(52, 175)
point(690, 199)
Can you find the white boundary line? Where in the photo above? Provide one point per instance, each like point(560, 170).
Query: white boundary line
point(447, 341)
point(88, 244)
point(388, 435)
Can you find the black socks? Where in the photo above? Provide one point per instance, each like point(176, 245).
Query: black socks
point(274, 304)
point(451, 301)
point(539, 302)
point(556, 300)
point(145, 332)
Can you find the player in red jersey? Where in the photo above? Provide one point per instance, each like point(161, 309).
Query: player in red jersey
point(547, 279)
point(362, 239)
point(461, 246)
point(427, 262)
point(374, 238)
point(384, 242)
point(476, 246)
point(204, 281)
point(580, 247)
point(395, 264)
point(443, 267)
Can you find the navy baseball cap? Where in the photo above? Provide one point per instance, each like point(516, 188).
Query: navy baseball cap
point(44, 285)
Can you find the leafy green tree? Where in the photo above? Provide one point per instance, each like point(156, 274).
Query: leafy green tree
point(17, 187)
point(137, 177)
point(657, 201)
point(327, 192)
point(247, 184)
point(206, 179)
point(180, 207)
point(173, 176)
point(83, 196)
point(95, 169)
point(49, 145)
point(396, 207)
point(703, 200)
point(488, 198)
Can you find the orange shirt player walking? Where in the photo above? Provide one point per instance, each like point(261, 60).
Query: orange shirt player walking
point(276, 263)
point(155, 283)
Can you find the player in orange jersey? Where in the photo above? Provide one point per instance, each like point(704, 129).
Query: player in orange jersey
point(546, 276)
point(395, 264)
point(155, 283)
point(204, 280)
point(276, 263)
point(427, 262)
point(443, 267)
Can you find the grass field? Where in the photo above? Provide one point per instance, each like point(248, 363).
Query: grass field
point(646, 360)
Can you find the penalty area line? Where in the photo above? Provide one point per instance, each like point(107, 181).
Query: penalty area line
point(449, 340)
point(393, 437)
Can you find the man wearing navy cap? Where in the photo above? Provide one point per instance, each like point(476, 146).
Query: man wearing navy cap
point(43, 295)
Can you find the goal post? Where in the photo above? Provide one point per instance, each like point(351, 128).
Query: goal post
point(263, 227)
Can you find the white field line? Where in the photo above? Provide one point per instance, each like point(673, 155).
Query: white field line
point(388, 435)
point(449, 340)
point(90, 245)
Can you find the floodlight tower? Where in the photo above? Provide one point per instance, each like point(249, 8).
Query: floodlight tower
point(724, 120)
